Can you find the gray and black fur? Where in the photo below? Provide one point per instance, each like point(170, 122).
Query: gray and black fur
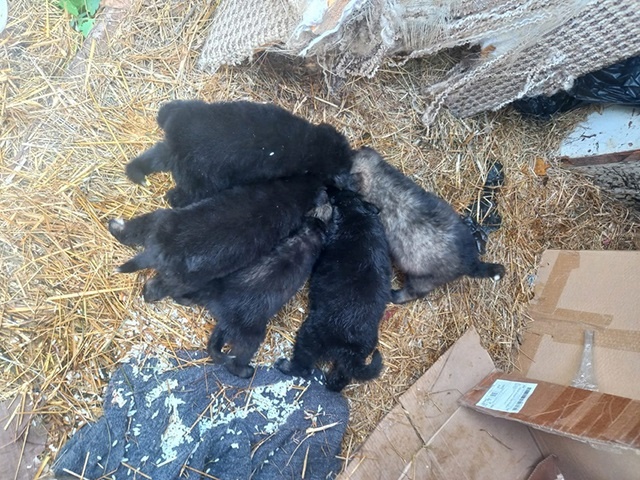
point(212, 238)
point(348, 292)
point(209, 147)
point(429, 242)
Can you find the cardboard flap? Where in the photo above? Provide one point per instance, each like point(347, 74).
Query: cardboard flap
point(21, 440)
point(428, 435)
point(423, 409)
point(585, 290)
point(547, 469)
point(597, 418)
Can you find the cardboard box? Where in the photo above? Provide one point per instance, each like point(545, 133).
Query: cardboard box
point(575, 291)
point(438, 430)
point(428, 435)
point(598, 291)
point(572, 419)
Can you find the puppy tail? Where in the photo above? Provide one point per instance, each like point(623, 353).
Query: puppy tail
point(365, 372)
point(487, 270)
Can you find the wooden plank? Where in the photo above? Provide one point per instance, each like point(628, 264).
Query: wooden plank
point(620, 178)
point(605, 159)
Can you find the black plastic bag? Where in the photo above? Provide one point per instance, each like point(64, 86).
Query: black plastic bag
point(482, 216)
point(544, 107)
point(618, 84)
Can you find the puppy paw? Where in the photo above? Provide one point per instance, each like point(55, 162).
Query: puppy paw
point(499, 272)
point(283, 365)
point(289, 368)
point(177, 198)
point(152, 291)
point(323, 212)
point(116, 226)
point(244, 371)
point(336, 384)
point(184, 300)
point(399, 297)
point(217, 357)
point(134, 171)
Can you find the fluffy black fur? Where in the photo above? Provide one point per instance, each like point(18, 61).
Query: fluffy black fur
point(243, 302)
point(429, 241)
point(209, 147)
point(212, 238)
point(349, 290)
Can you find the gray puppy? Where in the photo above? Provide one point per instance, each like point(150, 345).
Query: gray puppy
point(429, 242)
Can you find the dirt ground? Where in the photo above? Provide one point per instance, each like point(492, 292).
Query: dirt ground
point(72, 116)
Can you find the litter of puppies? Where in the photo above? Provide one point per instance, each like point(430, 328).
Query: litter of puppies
point(260, 195)
point(68, 320)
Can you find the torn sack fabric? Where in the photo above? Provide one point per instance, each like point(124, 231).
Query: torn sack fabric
point(185, 418)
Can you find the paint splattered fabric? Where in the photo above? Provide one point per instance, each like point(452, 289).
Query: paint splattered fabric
point(171, 419)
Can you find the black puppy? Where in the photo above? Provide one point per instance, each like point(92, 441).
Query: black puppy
point(212, 238)
point(348, 293)
point(429, 241)
point(243, 302)
point(209, 147)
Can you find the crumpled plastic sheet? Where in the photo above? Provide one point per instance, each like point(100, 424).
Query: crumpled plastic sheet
point(543, 108)
point(618, 83)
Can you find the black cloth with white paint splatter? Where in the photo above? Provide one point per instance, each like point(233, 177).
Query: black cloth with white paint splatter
point(170, 419)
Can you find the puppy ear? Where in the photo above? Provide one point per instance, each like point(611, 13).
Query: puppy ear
point(357, 181)
point(322, 198)
point(348, 181)
point(342, 180)
point(371, 207)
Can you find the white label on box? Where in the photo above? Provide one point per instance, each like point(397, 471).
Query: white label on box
point(507, 396)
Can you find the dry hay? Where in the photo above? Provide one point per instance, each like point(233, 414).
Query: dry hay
point(67, 318)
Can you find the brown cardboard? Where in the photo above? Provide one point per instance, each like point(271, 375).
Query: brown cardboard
point(594, 435)
point(598, 291)
point(575, 291)
point(434, 397)
point(580, 461)
point(429, 436)
point(473, 445)
point(547, 469)
point(21, 440)
point(602, 420)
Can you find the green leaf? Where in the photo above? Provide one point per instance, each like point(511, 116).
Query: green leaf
point(92, 6)
point(85, 26)
point(69, 7)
